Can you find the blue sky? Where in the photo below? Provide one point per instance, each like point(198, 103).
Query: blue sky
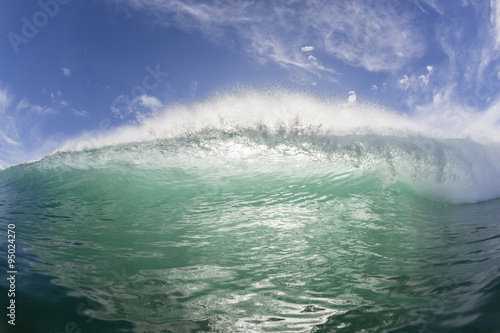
point(73, 66)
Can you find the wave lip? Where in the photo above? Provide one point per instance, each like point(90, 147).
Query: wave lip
point(273, 112)
point(279, 111)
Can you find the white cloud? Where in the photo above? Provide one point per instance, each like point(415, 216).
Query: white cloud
point(123, 107)
point(60, 103)
point(478, 28)
point(415, 83)
point(425, 78)
point(78, 113)
point(443, 96)
point(20, 130)
point(374, 87)
point(404, 82)
point(377, 36)
point(435, 5)
point(8, 140)
point(471, 45)
point(9, 136)
point(416, 87)
point(66, 71)
point(352, 97)
point(150, 102)
point(495, 21)
point(8, 130)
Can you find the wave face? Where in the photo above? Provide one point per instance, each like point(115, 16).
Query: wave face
point(252, 214)
point(449, 170)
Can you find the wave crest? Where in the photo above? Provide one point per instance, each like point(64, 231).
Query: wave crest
point(253, 133)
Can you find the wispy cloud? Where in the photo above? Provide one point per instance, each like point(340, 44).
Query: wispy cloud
point(374, 36)
point(479, 29)
point(193, 88)
point(21, 137)
point(66, 71)
point(468, 51)
point(311, 39)
point(60, 103)
point(79, 113)
point(136, 109)
point(495, 22)
point(351, 99)
point(377, 36)
point(8, 134)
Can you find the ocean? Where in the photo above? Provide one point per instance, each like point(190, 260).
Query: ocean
point(256, 213)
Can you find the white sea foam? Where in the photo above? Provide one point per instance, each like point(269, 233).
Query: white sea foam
point(285, 111)
point(453, 156)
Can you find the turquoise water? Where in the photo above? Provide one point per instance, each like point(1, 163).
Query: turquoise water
point(253, 230)
point(247, 232)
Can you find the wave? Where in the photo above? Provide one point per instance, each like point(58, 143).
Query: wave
point(451, 170)
point(293, 137)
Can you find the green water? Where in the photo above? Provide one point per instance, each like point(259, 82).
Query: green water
point(241, 232)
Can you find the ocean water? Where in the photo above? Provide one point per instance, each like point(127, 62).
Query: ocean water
point(257, 214)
